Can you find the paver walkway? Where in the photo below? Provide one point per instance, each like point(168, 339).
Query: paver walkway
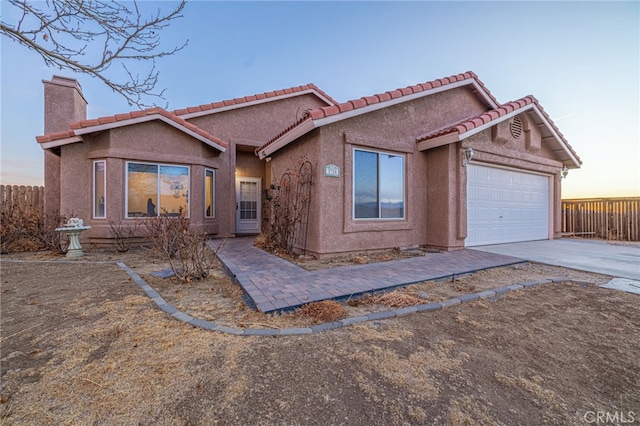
point(274, 284)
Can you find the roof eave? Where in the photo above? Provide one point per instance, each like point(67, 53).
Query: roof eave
point(395, 101)
point(576, 162)
point(295, 132)
point(456, 136)
point(439, 141)
point(144, 119)
point(195, 114)
point(449, 138)
point(60, 142)
point(298, 131)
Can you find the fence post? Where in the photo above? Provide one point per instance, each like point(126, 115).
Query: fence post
point(607, 218)
point(26, 198)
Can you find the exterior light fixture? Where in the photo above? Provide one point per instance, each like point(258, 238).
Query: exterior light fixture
point(467, 156)
point(563, 173)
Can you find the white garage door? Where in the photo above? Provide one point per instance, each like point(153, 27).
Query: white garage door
point(505, 206)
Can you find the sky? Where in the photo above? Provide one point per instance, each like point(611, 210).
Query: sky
point(581, 60)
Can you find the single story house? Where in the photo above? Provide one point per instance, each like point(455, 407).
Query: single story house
point(441, 164)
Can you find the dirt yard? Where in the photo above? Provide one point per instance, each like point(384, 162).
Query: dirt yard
point(81, 344)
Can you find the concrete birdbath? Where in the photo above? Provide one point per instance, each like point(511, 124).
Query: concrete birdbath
point(73, 228)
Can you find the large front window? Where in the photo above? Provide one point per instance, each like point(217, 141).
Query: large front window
point(157, 189)
point(378, 185)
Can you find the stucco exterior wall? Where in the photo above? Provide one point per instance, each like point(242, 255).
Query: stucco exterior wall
point(444, 201)
point(245, 129)
point(153, 142)
point(435, 180)
point(63, 104)
point(290, 158)
point(257, 124)
point(249, 165)
point(69, 169)
point(333, 228)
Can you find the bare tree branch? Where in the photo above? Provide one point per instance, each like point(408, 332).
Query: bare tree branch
point(89, 36)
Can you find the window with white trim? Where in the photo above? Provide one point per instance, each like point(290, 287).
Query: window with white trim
point(378, 185)
point(99, 189)
point(209, 193)
point(157, 189)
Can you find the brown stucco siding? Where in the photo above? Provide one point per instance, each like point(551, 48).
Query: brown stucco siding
point(394, 130)
point(63, 104)
point(153, 142)
point(435, 181)
point(445, 203)
point(290, 158)
point(248, 165)
point(255, 125)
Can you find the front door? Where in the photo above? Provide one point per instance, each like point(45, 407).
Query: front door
point(248, 205)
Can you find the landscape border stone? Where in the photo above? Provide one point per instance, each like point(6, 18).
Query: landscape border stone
point(170, 309)
point(318, 328)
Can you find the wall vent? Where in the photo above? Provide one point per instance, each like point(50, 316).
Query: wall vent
point(516, 127)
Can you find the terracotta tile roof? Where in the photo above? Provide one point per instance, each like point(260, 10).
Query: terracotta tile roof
point(493, 115)
point(355, 104)
point(55, 136)
point(393, 94)
point(479, 120)
point(113, 120)
point(252, 98)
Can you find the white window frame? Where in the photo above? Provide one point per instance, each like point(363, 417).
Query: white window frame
point(213, 194)
point(104, 189)
point(353, 186)
point(126, 185)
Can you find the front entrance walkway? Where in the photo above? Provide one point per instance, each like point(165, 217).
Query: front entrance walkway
point(274, 284)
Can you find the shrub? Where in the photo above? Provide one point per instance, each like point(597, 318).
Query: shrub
point(184, 248)
point(11, 226)
point(287, 207)
point(47, 235)
point(31, 228)
point(122, 236)
point(165, 234)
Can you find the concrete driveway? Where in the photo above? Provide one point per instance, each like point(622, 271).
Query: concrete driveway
point(586, 255)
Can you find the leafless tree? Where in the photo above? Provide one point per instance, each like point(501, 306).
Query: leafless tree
point(90, 36)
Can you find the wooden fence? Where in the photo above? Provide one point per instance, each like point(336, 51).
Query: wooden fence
point(27, 198)
point(606, 218)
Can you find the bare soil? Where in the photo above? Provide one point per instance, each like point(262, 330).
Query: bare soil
point(82, 344)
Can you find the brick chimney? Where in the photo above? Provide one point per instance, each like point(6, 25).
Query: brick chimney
point(64, 103)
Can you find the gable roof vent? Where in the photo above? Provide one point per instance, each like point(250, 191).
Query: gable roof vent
point(516, 127)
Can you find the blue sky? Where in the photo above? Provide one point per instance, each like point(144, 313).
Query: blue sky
point(580, 59)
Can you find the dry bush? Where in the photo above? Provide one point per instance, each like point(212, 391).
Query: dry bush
point(286, 204)
point(324, 311)
point(122, 235)
point(11, 228)
point(29, 228)
point(46, 232)
point(165, 233)
point(392, 299)
point(194, 256)
point(184, 248)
